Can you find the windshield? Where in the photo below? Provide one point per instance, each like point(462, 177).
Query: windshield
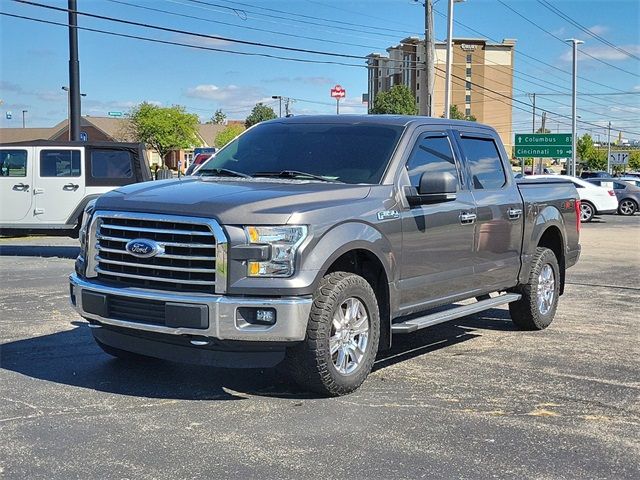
point(341, 152)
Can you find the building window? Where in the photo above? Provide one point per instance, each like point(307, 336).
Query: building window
point(467, 98)
point(468, 71)
point(417, 99)
point(468, 58)
point(417, 86)
point(467, 111)
point(468, 85)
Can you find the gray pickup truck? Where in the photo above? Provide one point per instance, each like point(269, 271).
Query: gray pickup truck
point(315, 240)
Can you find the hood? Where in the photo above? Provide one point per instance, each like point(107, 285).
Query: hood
point(231, 201)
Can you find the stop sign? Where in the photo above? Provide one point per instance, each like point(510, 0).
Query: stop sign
point(338, 92)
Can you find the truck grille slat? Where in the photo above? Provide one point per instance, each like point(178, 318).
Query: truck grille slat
point(190, 249)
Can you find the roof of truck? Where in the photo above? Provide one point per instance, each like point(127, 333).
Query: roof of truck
point(377, 119)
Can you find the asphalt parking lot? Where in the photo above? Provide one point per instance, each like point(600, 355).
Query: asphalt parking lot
point(470, 399)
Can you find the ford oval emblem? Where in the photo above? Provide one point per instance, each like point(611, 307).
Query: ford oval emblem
point(141, 247)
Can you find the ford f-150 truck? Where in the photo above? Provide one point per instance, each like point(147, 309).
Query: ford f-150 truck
point(315, 240)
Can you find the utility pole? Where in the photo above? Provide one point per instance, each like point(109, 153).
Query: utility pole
point(74, 73)
point(23, 122)
point(542, 130)
point(609, 147)
point(574, 113)
point(430, 53)
point(533, 119)
point(287, 102)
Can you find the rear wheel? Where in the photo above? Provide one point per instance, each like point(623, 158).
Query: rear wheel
point(342, 337)
point(587, 211)
point(627, 207)
point(537, 307)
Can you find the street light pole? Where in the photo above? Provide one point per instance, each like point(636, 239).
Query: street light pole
point(574, 113)
point(279, 98)
point(66, 89)
point(447, 80)
point(23, 112)
point(609, 148)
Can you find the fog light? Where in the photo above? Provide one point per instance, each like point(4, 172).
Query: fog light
point(266, 316)
point(247, 317)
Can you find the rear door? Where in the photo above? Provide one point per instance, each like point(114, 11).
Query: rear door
point(499, 224)
point(16, 184)
point(59, 183)
point(437, 246)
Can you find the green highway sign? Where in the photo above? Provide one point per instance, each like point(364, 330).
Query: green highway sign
point(542, 152)
point(543, 145)
point(544, 139)
point(115, 114)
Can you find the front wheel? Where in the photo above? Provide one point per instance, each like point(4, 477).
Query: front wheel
point(627, 207)
point(587, 211)
point(537, 307)
point(342, 336)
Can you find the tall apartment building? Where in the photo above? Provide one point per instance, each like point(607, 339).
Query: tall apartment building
point(481, 78)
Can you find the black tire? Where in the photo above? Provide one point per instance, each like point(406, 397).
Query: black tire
point(122, 354)
point(587, 212)
point(310, 363)
point(627, 207)
point(526, 313)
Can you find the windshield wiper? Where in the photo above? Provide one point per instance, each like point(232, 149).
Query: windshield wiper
point(296, 173)
point(221, 171)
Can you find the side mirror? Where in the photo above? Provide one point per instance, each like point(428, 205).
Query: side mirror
point(434, 187)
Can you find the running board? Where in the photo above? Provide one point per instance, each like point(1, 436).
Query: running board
point(453, 313)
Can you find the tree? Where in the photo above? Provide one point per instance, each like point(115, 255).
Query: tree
point(456, 114)
point(228, 134)
point(219, 117)
point(163, 128)
point(260, 113)
point(585, 148)
point(634, 160)
point(398, 101)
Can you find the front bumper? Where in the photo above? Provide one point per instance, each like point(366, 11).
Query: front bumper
point(221, 320)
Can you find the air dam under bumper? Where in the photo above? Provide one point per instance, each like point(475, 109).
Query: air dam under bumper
point(180, 319)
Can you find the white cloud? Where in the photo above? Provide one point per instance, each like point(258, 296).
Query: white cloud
point(201, 41)
point(235, 100)
point(598, 29)
point(601, 52)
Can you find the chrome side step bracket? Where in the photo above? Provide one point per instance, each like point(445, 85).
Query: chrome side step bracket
point(453, 313)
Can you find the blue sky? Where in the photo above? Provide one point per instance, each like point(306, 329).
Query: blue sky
point(117, 73)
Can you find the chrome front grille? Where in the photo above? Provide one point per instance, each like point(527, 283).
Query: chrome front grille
point(192, 255)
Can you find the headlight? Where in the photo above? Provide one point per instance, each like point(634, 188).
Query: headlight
point(84, 226)
point(284, 242)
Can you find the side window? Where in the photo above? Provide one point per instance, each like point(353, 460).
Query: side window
point(13, 163)
point(111, 164)
point(60, 163)
point(431, 154)
point(487, 171)
point(619, 186)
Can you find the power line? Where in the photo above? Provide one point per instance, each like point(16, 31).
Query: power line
point(586, 30)
point(255, 29)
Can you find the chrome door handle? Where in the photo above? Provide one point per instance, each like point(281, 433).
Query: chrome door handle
point(71, 187)
point(21, 187)
point(515, 213)
point(467, 218)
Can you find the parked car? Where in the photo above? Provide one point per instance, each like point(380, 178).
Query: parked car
point(197, 162)
point(635, 181)
point(594, 200)
point(597, 174)
point(45, 185)
point(316, 240)
point(628, 195)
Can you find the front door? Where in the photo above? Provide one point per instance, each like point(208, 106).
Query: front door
point(437, 246)
point(16, 184)
point(60, 185)
point(499, 221)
